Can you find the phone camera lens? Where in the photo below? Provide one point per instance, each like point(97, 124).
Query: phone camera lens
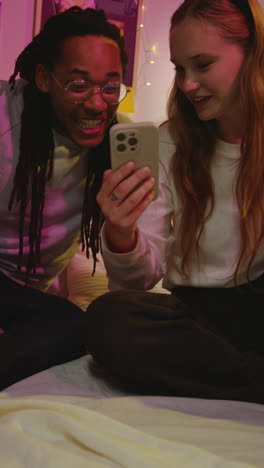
point(121, 147)
point(132, 141)
point(120, 136)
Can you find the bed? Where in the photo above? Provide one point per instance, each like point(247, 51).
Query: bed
point(76, 415)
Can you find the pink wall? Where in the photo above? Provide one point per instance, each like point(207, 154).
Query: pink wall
point(15, 32)
point(150, 101)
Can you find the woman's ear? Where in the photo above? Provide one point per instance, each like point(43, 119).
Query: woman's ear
point(42, 78)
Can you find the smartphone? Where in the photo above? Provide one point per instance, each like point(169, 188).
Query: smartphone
point(138, 142)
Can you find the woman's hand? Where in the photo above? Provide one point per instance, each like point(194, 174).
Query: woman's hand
point(124, 195)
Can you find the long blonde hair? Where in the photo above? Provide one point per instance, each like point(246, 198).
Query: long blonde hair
point(241, 22)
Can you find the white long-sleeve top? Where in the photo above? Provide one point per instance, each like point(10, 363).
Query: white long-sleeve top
point(158, 253)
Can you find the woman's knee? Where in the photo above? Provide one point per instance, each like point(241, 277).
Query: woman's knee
point(107, 313)
point(122, 320)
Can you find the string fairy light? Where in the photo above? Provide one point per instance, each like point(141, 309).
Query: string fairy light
point(142, 76)
point(150, 52)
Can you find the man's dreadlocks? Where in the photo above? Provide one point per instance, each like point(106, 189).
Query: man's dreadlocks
point(35, 165)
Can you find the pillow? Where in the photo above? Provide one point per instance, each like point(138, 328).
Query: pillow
point(77, 284)
point(82, 287)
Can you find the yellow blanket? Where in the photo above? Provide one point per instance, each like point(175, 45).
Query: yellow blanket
point(76, 432)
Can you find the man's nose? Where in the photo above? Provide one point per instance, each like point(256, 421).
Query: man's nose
point(95, 100)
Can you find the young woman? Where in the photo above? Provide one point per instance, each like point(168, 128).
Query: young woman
point(204, 234)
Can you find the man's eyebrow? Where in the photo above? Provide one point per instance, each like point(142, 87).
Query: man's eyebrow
point(85, 74)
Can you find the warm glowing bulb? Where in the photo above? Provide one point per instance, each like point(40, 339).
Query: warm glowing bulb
point(152, 61)
point(143, 7)
point(141, 25)
point(148, 84)
point(154, 48)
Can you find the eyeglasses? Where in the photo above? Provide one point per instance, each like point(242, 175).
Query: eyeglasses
point(79, 91)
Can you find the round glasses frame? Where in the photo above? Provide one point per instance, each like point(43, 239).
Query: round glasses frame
point(78, 91)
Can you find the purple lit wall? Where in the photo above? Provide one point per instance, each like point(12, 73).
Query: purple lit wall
point(150, 101)
point(16, 30)
point(122, 12)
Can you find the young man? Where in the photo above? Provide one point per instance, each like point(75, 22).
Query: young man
point(54, 148)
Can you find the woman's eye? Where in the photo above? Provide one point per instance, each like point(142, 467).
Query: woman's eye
point(204, 66)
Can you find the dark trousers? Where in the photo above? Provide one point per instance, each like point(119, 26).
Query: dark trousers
point(197, 342)
point(41, 330)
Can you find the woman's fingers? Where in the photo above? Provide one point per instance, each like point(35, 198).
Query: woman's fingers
point(106, 174)
point(135, 196)
point(131, 184)
point(117, 185)
point(113, 178)
point(121, 224)
point(130, 216)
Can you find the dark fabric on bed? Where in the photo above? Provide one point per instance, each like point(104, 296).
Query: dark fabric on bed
point(41, 330)
point(204, 343)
